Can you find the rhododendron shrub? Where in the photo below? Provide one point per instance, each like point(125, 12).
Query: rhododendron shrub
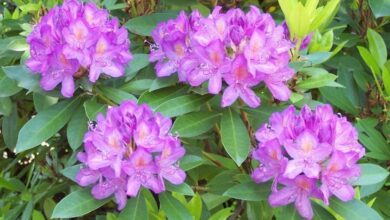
point(236, 109)
point(76, 39)
point(313, 154)
point(127, 149)
point(236, 48)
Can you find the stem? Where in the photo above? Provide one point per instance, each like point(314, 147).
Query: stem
point(216, 127)
point(380, 90)
point(105, 99)
point(200, 188)
point(296, 50)
point(244, 117)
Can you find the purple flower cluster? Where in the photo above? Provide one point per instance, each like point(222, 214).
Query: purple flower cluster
point(128, 149)
point(313, 154)
point(239, 49)
point(75, 38)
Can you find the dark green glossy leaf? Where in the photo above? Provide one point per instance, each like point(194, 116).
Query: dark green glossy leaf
point(45, 124)
point(10, 128)
point(189, 162)
point(371, 174)
point(76, 204)
point(71, 172)
point(135, 209)
point(23, 77)
point(380, 8)
point(193, 124)
point(5, 106)
point(139, 62)
point(116, 95)
point(173, 208)
point(157, 97)
point(182, 105)
point(77, 127)
point(93, 108)
point(42, 101)
point(8, 87)
point(234, 136)
point(183, 188)
point(249, 191)
point(143, 25)
point(354, 209)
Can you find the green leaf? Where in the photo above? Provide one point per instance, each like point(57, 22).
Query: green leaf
point(76, 128)
point(377, 47)
point(320, 213)
point(116, 95)
point(48, 207)
point(135, 209)
point(182, 105)
point(234, 136)
point(195, 206)
point(222, 214)
point(173, 208)
point(139, 62)
point(354, 209)
point(386, 78)
point(137, 85)
point(18, 45)
point(369, 60)
point(317, 58)
point(8, 87)
point(193, 124)
point(157, 97)
point(162, 82)
point(371, 189)
point(143, 25)
point(288, 212)
point(12, 184)
point(380, 8)
point(37, 215)
point(183, 188)
point(5, 106)
point(45, 124)
point(93, 108)
point(42, 101)
point(222, 182)
point(371, 174)
point(23, 77)
point(27, 212)
point(71, 172)
point(10, 128)
point(189, 162)
point(336, 97)
point(372, 139)
point(249, 191)
point(76, 204)
point(318, 81)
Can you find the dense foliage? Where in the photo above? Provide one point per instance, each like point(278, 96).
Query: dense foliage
point(194, 109)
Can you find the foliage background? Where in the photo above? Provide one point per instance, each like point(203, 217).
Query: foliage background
point(346, 65)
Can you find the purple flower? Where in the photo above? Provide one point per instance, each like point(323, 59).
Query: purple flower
point(337, 177)
point(312, 153)
point(298, 190)
point(272, 161)
point(207, 63)
point(306, 153)
point(76, 39)
point(231, 51)
point(240, 81)
point(128, 149)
